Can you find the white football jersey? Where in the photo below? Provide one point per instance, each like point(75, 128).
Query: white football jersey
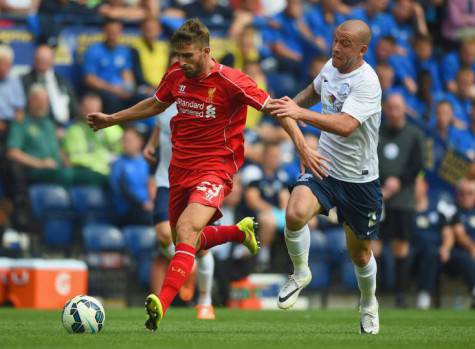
point(358, 93)
point(163, 120)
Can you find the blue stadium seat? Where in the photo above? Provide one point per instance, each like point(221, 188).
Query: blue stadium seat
point(102, 237)
point(144, 269)
point(140, 240)
point(320, 275)
point(58, 232)
point(336, 243)
point(90, 204)
point(348, 277)
point(47, 199)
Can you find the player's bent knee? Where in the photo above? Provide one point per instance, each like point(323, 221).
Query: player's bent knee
point(360, 257)
point(186, 232)
point(296, 217)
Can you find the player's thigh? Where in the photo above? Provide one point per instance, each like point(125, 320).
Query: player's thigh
point(359, 249)
point(192, 221)
point(302, 206)
point(164, 233)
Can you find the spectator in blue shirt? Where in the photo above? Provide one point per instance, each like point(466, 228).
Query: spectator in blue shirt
point(380, 22)
point(129, 182)
point(423, 59)
point(323, 18)
point(462, 98)
point(108, 69)
point(409, 19)
point(217, 18)
point(453, 61)
point(444, 125)
point(294, 43)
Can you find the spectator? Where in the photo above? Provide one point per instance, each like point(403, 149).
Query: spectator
point(12, 103)
point(373, 12)
point(62, 99)
point(33, 146)
point(216, 17)
point(246, 51)
point(12, 98)
point(89, 152)
point(294, 43)
point(459, 19)
point(462, 98)
point(400, 152)
point(410, 20)
point(129, 183)
point(126, 11)
point(463, 255)
point(453, 61)
point(445, 126)
point(432, 241)
point(267, 196)
point(150, 56)
point(387, 52)
point(323, 18)
point(424, 60)
point(108, 69)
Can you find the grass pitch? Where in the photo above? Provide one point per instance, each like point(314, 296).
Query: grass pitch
point(243, 329)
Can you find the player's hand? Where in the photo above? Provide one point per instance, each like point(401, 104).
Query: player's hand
point(315, 162)
point(149, 154)
point(285, 108)
point(97, 121)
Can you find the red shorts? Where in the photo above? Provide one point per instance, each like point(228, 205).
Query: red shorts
point(204, 187)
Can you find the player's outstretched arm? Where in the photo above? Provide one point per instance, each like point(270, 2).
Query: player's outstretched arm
point(144, 109)
point(310, 158)
point(342, 124)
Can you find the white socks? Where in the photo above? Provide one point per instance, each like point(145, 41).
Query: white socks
point(205, 274)
point(366, 277)
point(298, 246)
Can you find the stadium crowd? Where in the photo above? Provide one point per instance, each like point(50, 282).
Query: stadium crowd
point(423, 52)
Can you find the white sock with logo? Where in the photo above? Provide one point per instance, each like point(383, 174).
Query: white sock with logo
point(298, 246)
point(205, 273)
point(366, 277)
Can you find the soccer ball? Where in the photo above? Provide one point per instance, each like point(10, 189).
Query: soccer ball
point(83, 314)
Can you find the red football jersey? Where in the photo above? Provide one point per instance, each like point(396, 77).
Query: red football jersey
point(207, 132)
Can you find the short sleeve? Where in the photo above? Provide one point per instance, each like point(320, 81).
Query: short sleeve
point(164, 90)
point(90, 66)
point(317, 84)
point(247, 91)
point(363, 101)
point(16, 136)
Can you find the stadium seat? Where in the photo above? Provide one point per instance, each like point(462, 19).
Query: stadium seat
point(144, 268)
point(320, 275)
point(58, 232)
point(348, 277)
point(90, 204)
point(48, 198)
point(139, 240)
point(102, 237)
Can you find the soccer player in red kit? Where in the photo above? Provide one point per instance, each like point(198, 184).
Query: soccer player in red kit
point(207, 150)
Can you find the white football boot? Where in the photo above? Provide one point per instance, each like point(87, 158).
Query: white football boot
point(369, 322)
point(289, 293)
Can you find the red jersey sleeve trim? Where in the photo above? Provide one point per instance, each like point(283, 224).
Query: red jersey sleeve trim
point(244, 92)
point(265, 102)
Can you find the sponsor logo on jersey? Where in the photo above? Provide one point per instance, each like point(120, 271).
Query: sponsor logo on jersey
point(210, 112)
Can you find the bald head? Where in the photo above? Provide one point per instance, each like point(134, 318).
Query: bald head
point(359, 28)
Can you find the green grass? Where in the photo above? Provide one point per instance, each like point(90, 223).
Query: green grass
point(240, 329)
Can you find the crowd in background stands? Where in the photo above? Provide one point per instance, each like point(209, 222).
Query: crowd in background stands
point(423, 52)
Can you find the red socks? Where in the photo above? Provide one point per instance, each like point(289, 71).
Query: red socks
point(213, 236)
point(182, 262)
point(177, 273)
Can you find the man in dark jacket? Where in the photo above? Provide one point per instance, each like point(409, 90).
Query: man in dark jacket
point(400, 153)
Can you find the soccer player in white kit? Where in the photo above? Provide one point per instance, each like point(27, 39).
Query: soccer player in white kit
point(350, 93)
point(205, 260)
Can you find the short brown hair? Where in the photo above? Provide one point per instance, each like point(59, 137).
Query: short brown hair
point(193, 31)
